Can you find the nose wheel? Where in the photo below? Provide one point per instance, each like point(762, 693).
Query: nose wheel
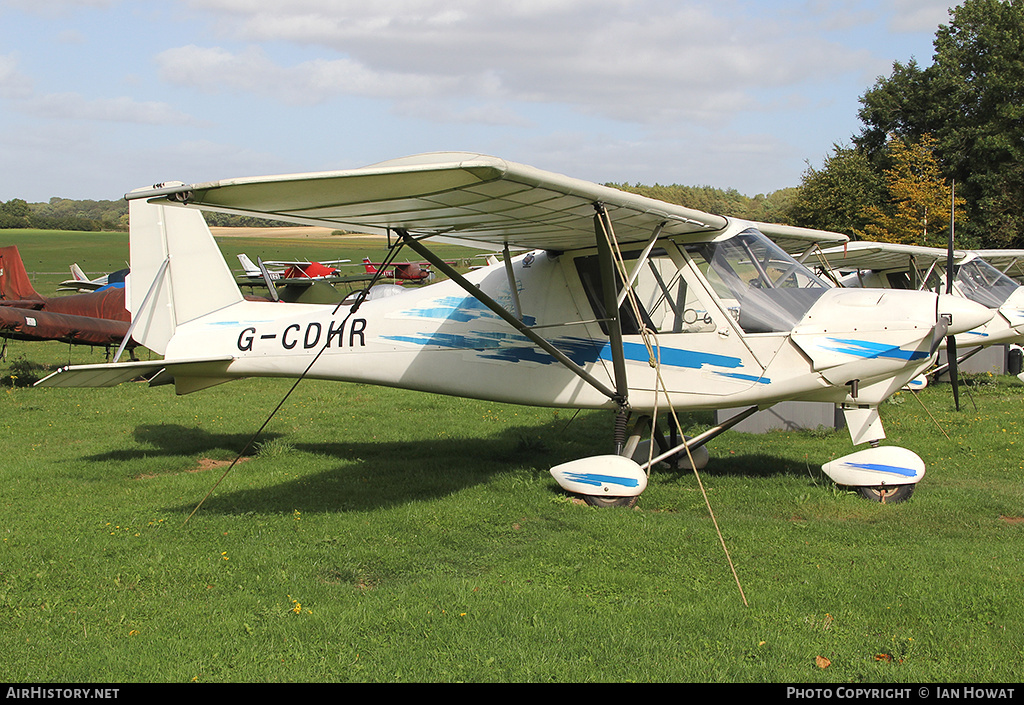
point(890, 494)
point(598, 501)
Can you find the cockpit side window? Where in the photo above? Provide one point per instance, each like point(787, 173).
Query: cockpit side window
point(662, 297)
point(589, 269)
point(899, 280)
point(765, 289)
point(984, 284)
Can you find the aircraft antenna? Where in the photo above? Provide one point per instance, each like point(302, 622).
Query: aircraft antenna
point(355, 306)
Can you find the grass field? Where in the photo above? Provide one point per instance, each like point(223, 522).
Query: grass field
point(48, 254)
point(377, 535)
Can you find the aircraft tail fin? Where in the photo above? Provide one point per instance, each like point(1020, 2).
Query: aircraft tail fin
point(14, 281)
point(247, 265)
point(370, 269)
point(177, 274)
point(77, 274)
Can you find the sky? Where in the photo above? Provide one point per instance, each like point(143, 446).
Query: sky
point(98, 97)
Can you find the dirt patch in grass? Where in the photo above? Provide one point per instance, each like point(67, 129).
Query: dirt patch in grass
point(211, 464)
point(204, 465)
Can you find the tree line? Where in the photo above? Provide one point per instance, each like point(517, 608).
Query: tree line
point(64, 214)
point(938, 145)
point(95, 216)
point(940, 148)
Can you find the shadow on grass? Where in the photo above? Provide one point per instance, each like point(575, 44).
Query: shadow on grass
point(377, 475)
point(174, 440)
point(361, 475)
point(367, 475)
point(753, 465)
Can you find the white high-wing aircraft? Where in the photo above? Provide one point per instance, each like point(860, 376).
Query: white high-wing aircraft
point(623, 303)
point(979, 276)
point(80, 281)
point(254, 272)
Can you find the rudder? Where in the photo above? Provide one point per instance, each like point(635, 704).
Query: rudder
point(14, 281)
point(177, 274)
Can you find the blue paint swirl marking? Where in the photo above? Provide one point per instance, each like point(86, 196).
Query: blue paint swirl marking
point(878, 467)
point(586, 478)
point(867, 349)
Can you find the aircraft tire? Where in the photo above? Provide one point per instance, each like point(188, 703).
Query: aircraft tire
point(887, 495)
point(598, 501)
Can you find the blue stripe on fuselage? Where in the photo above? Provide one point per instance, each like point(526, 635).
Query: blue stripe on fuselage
point(512, 347)
point(586, 478)
point(867, 349)
point(877, 467)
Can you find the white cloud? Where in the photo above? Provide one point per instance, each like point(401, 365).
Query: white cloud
point(18, 90)
point(727, 92)
point(638, 61)
point(57, 8)
point(215, 70)
point(74, 106)
point(919, 15)
point(13, 83)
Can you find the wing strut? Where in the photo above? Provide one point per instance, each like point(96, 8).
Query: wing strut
point(603, 233)
point(268, 279)
point(498, 309)
point(512, 286)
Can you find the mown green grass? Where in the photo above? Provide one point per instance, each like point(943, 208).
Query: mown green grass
point(378, 535)
point(381, 535)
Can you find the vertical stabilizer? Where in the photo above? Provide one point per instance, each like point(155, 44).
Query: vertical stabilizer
point(247, 266)
point(177, 272)
point(14, 281)
point(77, 274)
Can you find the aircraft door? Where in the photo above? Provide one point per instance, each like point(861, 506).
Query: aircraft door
point(671, 319)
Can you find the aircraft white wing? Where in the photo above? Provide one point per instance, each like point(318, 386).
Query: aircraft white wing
point(884, 256)
point(1010, 262)
point(470, 196)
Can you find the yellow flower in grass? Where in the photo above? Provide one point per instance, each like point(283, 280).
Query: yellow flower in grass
point(297, 607)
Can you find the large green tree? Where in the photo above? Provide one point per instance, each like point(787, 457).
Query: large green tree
point(918, 206)
point(971, 99)
point(837, 196)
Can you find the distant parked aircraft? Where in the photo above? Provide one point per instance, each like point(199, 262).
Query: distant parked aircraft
point(94, 318)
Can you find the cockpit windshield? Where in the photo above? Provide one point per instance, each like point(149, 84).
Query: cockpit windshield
point(764, 288)
point(982, 283)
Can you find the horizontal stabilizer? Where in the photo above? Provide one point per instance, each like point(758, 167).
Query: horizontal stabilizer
point(110, 375)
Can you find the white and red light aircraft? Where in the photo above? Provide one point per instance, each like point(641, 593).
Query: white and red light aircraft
point(294, 269)
point(623, 303)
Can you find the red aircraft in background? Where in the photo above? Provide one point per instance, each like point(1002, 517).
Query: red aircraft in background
point(95, 318)
point(92, 318)
point(294, 270)
point(409, 271)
